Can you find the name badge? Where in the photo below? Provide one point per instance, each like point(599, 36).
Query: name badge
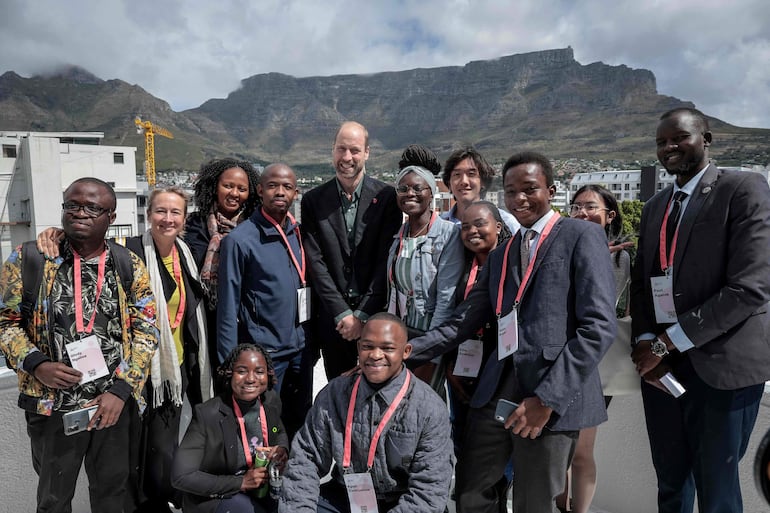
point(86, 356)
point(507, 334)
point(361, 493)
point(469, 355)
point(663, 298)
point(303, 304)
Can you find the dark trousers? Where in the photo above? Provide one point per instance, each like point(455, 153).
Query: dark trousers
point(340, 355)
point(57, 459)
point(541, 465)
point(243, 503)
point(699, 438)
point(294, 375)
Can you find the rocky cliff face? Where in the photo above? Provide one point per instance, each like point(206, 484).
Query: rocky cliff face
point(540, 100)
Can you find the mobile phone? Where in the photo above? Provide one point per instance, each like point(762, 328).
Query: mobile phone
point(76, 421)
point(504, 409)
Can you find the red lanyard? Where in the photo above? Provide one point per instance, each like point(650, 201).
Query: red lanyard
point(244, 438)
point(525, 279)
point(433, 217)
point(380, 428)
point(179, 285)
point(300, 269)
point(472, 277)
point(79, 292)
point(667, 261)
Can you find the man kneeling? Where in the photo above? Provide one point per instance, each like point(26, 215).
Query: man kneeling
point(386, 432)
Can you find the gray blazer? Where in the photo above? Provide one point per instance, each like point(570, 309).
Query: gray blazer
point(721, 276)
point(566, 324)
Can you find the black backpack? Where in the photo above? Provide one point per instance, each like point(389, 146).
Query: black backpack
point(32, 262)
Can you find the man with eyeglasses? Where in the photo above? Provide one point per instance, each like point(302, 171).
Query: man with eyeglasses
point(348, 224)
point(86, 346)
point(700, 288)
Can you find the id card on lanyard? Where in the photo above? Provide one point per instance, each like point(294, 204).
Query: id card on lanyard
point(303, 293)
point(85, 354)
point(663, 286)
point(360, 487)
point(471, 352)
point(508, 325)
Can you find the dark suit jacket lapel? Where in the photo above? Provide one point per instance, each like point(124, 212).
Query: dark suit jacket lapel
point(652, 229)
point(367, 195)
point(699, 196)
point(547, 243)
point(230, 435)
point(335, 217)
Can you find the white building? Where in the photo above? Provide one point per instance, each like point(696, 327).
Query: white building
point(627, 184)
point(36, 167)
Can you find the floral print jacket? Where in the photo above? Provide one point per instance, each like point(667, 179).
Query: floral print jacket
point(35, 345)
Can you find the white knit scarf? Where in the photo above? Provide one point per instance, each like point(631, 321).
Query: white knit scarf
point(165, 374)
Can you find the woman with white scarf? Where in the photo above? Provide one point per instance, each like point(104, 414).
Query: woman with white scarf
point(180, 365)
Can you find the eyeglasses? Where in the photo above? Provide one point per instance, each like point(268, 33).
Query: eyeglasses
point(418, 189)
point(89, 210)
point(588, 208)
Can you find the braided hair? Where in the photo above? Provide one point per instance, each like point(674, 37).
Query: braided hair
point(225, 371)
point(419, 155)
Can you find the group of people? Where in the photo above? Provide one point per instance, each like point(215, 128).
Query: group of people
point(228, 307)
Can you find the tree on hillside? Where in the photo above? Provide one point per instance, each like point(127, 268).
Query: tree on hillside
point(632, 215)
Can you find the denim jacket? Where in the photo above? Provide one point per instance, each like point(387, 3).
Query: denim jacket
point(437, 265)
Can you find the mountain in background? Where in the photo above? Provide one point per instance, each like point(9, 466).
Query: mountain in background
point(541, 100)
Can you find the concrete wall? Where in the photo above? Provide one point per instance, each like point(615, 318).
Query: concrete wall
point(626, 478)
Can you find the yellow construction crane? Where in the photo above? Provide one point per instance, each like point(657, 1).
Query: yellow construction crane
point(149, 130)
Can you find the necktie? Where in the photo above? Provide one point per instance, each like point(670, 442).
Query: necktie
point(526, 243)
point(673, 217)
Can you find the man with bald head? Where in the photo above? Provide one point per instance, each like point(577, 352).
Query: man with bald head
point(349, 223)
point(263, 291)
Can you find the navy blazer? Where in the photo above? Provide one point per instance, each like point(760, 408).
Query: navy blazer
point(721, 276)
point(336, 266)
point(566, 323)
point(207, 459)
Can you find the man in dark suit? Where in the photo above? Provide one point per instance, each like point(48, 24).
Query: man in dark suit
point(565, 297)
point(348, 224)
point(699, 306)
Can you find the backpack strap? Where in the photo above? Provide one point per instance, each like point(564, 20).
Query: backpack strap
point(32, 263)
point(123, 264)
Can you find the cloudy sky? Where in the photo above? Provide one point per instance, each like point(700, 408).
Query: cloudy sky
point(715, 53)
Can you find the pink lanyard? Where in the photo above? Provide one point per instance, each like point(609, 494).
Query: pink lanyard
point(667, 261)
point(244, 437)
point(380, 428)
point(300, 269)
point(472, 277)
point(182, 295)
point(401, 245)
point(79, 292)
point(525, 279)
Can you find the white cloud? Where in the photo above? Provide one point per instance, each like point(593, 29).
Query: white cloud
point(710, 52)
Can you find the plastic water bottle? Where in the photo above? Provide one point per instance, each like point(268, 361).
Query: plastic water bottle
point(276, 480)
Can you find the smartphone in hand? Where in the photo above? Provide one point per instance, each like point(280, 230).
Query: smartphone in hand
point(76, 421)
point(504, 409)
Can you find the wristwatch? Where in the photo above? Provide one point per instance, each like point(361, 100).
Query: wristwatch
point(658, 348)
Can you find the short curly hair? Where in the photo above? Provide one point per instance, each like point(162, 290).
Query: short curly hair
point(205, 196)
point(225, 372)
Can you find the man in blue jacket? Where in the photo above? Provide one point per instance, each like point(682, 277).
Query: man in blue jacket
point(263, 292)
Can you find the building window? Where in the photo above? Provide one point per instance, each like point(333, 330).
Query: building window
point(628, 187)
point(616, 187)
point(117, 158)
point(9, 151)
point(119, 230)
